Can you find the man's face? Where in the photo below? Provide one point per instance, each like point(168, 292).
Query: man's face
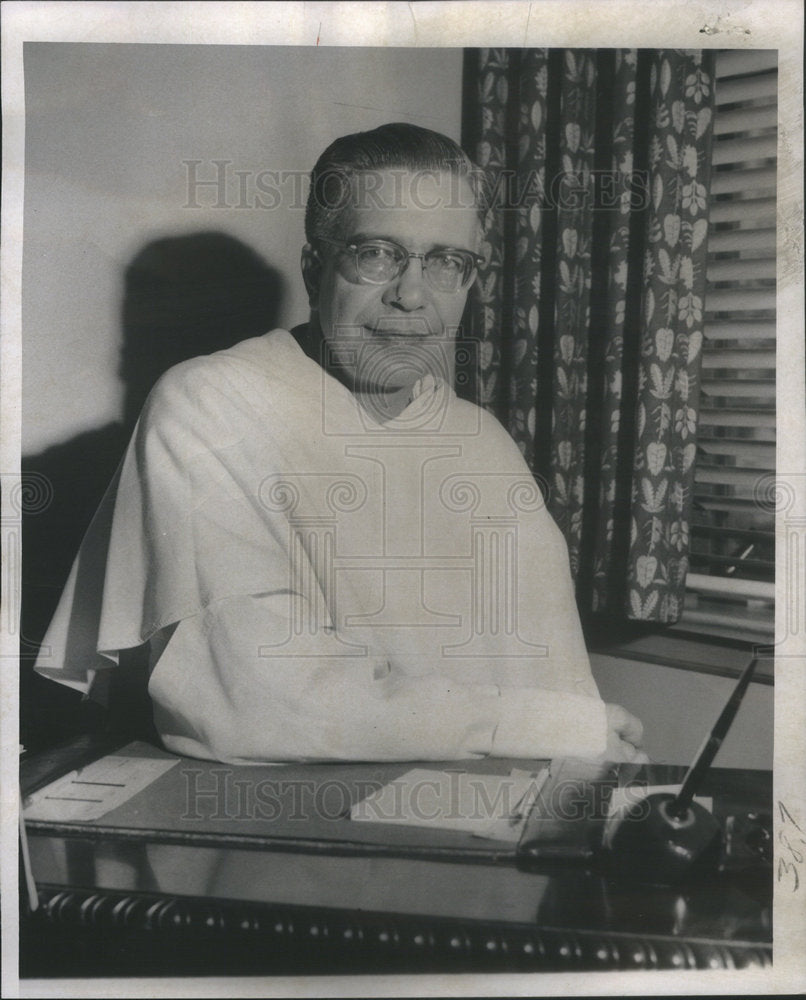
point(382, 338)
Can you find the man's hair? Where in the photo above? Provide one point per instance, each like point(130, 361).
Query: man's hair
point(396, 146)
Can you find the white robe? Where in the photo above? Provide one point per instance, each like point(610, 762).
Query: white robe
point(316, 585)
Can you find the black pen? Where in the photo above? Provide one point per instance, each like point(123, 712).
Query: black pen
point(711, 745)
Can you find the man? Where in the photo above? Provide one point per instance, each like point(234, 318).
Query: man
point(329, 555)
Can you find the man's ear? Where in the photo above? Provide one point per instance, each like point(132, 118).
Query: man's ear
point(311, 273)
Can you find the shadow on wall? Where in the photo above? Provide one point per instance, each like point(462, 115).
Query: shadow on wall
point(184, 296)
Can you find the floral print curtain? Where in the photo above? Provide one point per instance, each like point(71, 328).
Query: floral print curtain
point(589, 307)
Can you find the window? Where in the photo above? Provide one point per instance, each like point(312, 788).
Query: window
point(732, 572)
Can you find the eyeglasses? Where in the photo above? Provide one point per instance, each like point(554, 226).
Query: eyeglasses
point(380, 261)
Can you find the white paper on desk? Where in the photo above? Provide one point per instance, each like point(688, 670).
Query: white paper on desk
point(486, 805)
point(94, 790)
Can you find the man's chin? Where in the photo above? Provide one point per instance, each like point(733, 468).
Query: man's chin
point(395, 363)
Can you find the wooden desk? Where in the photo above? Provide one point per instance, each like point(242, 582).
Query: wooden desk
point(117, 901)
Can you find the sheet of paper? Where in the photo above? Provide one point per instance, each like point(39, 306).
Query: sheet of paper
point(94, 790)
point(485, 805)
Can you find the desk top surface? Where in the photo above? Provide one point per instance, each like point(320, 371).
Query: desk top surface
point(434, 879)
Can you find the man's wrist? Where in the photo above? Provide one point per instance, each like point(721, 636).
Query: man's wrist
point(537, 722)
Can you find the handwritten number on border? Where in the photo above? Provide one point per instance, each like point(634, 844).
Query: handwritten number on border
point(792, 857)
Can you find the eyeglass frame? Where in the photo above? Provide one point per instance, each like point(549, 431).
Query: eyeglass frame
point(477, 259)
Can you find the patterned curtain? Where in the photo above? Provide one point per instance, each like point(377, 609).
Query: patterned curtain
point(589, 308)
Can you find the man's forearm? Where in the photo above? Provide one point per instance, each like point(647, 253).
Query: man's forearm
point(311, 701)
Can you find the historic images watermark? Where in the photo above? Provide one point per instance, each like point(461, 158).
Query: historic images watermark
point(21, 495)
point(221, 184)
point(348, 522)
point(403, 353)
point(224, 794)
point(784, 494)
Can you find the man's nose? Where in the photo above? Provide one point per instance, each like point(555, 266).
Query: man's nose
point(408, 290)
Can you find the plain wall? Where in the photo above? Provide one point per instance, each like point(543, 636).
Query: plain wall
point(107, 130)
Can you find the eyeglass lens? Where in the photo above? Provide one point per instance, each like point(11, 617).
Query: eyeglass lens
point(379, 263)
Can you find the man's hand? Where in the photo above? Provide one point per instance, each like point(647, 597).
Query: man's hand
point(625, 736)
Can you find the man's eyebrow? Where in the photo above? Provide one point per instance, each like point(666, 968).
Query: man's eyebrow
point(360, 237)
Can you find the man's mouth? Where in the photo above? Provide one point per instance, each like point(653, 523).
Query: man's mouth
point(401, 328)
point(411, 334)
point(401, 334)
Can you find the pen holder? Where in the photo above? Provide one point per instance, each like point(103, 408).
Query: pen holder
point(648, 843)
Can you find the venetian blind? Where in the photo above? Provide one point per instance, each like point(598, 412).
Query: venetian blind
point(732, 535)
